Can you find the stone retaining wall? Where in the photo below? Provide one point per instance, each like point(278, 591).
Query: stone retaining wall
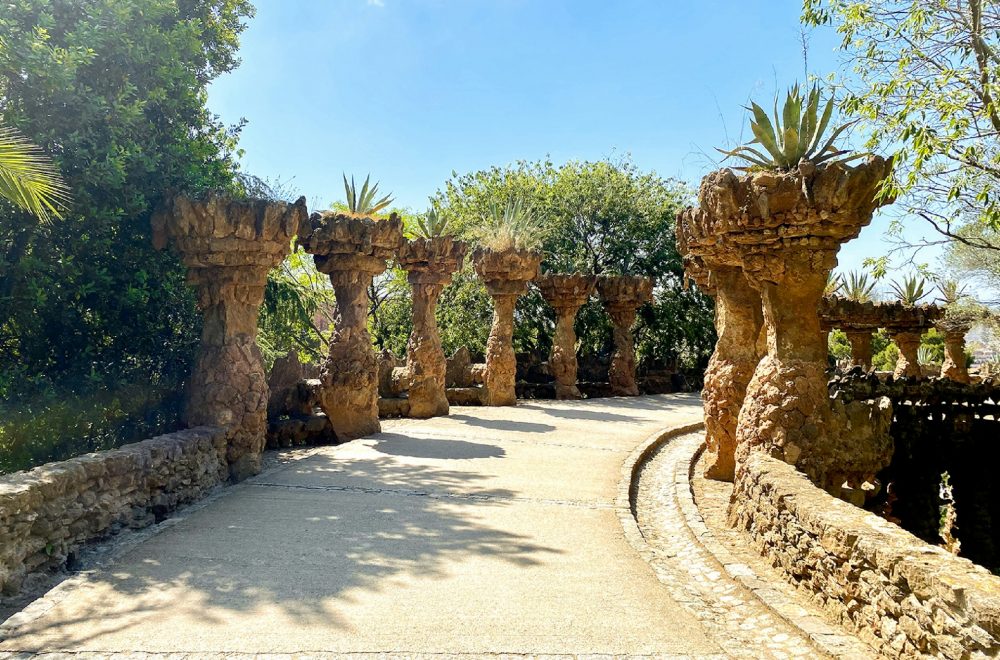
point(903, 596)
point(47, 512)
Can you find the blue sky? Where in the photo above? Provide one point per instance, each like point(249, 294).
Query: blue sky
point(411, 90)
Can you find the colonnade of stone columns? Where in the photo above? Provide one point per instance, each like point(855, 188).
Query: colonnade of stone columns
point(352, 251)
point(228, 247)
point(784, 229)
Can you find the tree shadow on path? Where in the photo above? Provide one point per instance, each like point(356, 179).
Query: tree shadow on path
point(305, 542)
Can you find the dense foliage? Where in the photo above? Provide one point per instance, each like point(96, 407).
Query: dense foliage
point(593, 217)
point(115, 91)
point(924, 77)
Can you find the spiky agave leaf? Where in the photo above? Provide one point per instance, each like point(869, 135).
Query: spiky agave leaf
point(794, 135)
point(432, 224)
point(911, 290)
point(834, 283)
point(951, 291)
point(28, 178)
point(364, 202)
point(858, 288)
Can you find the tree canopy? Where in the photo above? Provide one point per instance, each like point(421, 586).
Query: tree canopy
point(115, 91)
point(923, 77)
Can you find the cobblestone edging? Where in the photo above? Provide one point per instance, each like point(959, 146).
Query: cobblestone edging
point(48, 512)
point(903, 596)
point(740, 611)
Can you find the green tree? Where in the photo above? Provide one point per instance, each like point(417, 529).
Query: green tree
point(923, 77)
point(115, 91)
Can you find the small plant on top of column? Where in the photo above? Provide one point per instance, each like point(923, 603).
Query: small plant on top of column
point(430, 259)
point(352, 245)
point(507, 258)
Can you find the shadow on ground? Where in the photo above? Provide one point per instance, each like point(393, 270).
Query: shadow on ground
point(395, 444)
point(303, 541)
point(503, 424)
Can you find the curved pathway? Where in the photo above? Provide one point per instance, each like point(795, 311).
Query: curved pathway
point(492, 531)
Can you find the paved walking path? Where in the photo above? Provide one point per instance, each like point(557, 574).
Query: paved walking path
point(492, 531)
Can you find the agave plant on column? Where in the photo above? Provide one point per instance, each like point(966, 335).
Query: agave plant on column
point(429, 259)
point(784, 220)
point(960, 314)
point(352, 247)
point(909, 292)
point(507, 259)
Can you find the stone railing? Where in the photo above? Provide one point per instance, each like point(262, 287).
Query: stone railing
point(903, 596)
point(938, 426)
point(48, 512)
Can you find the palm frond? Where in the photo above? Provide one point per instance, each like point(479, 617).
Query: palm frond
point(28, 178)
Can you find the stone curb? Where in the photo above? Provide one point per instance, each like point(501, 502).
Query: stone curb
point(825, 637)
point(828, 638)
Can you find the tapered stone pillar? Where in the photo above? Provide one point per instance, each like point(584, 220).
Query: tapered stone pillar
point(352, 251)
point(907, 366)
point(506, 275)
point(622, 295)
point(954, 365)
point(739, 319)
point(228, 247)
point(784, 229)
point(430, 263)
point(861, 347)
point(566, 294)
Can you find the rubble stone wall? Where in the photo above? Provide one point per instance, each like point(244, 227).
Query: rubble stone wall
point(905, 597)
point(47, 512)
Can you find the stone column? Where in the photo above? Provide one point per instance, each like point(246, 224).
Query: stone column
point(738, 321)
point(954, 365)
point(784, 228)
point(907, 365)
point(622, 295)
point(506, 275)
point(430, 263)
point(566, 294)
point(228, 247)
point(861, 347)
point(352, 251)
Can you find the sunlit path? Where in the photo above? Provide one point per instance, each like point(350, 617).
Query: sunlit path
point(493, 530)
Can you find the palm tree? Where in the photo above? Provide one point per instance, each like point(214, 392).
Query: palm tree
point(28, 179)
